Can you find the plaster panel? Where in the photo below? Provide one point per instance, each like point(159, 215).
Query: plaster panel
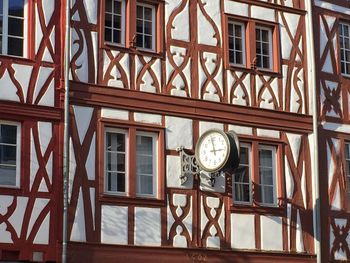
point(271, 233)
point(181, 25)
point(205, 183)
point(205, 126)
point(114, 224)
point(83, 117)
point(90, 161)
point(173, 172)
point(34, 164)
point(179, 132)
point(43, 75)
point(42, 236)
point(242, 231)
point(91, 10)
point(16, 219)
point(5, 236)
point(78, 230)
point(115, 114)
point(48, 9)
point(206, 30)
point(45, 135)
point(337, 127)
point(333, 7)
point(38, 207)
point(147, 226)
point(235, 8)
point(263, 13)
point(8, 90)
point(241, 129)
point(148, 118)
point(22, 75)
point(268, 133)
point(289, 179)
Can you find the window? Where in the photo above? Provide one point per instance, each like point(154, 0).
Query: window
point(236, 35)
point(115, 21)
point(146, 163)
point(138, 25)
point(263, 47)
point(244, 179)
point(9, 154)
point(267, 167)
point(118, 177)
point(344, 40)
point(242, 185)
point(145, 26)
point(347, 170)
point(252, 45)
point(12, 29)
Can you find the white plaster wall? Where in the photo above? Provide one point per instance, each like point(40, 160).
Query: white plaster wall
point(82, 117)
point(205, 126)
point(147, 226)
point(114, 224)
point(242, 231)
point(173, 172)
point(148, 118)
point(271, 233)
point(115, 114)
point(179, 132)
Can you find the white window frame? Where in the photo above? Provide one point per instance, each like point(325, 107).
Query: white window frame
point(122, 24)
point(274, 179)
point(155, 153)
point(270, 47)
point(246, 145)
point(243, 28)
point(343, 49)
point(153, 26)
point(18, 153)
point(4, 48)
point(126, 133)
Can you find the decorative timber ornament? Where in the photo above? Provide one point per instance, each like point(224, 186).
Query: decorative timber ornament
point(216, 152)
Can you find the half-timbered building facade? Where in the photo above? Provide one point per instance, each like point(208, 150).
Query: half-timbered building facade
point(147, 79)
point(331, 30)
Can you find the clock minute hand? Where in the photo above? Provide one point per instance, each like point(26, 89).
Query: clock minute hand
point(212, 142)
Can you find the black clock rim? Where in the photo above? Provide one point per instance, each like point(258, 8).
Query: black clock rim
point(226, 157)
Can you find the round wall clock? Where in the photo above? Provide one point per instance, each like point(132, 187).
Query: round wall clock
point(217, 151)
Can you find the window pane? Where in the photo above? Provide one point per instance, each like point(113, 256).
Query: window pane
point(115, 182)
point(108, 20)
point(145, 185)
point(139, 12)
point(267, 194)
point(238, 31)
point(242, 174)
point(144, 164)
point(148, 28)
point(115, 162)
point(1, 5)
point(148, 42)
point(265, 158)
point(116, 36)
point(241, 193)
point(117, 7)
point(16, 7)
point(139, 40)
point(139, 26)
point(347, 151)
point(115, 142)
point(266, 62)
point(148, 13)
point(7, 175)
point(239, 57)
point(230, 29)
point(265, 35)
point(144, 144)
point(8, 134)
point(108, 6)
point(1, 25)
point(15, 47)
point(266, 176)
point(15, 27)
point(117, 22)
point(7, 155)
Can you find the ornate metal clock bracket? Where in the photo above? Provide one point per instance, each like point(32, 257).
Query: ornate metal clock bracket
point(189, 167)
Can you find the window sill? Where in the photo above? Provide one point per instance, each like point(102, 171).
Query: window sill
point(127, 200)
point(134, 50)
point(254, 71)
point(258, 209)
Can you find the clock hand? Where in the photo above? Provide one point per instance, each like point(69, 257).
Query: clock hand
point(217, 150)
point(212, 142)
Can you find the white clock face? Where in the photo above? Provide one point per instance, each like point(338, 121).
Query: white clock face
point(212, 151)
